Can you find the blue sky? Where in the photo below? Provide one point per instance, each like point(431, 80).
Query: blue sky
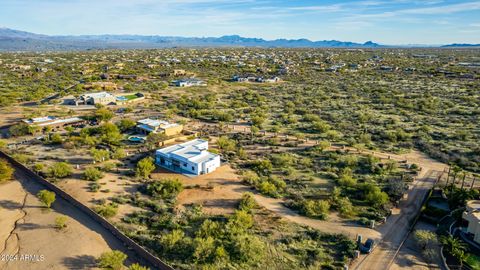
point(384, 21)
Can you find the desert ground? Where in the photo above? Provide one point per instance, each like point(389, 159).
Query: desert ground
point(27, 228)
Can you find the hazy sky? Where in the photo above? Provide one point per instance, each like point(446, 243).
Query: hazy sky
point(384, 21)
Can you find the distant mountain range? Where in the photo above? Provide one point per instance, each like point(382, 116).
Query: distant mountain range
point(15, 40)
point(461, 45)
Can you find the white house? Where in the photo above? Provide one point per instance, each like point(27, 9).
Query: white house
point(103, 98)
point(147, 126)
point(189, 82)
point(190, 157)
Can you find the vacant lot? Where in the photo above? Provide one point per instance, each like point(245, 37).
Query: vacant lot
point(27, 228)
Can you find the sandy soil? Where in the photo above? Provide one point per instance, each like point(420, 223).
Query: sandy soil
point(111, 182)
point(219, 192)
point(27, 229)
point(410, 256)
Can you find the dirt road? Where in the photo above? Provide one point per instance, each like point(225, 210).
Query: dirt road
point(334, 227)
point(393, 235)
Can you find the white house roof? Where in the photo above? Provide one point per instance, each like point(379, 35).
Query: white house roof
point(151, 124)
point(194, 151)
point(62, 121)
point(51, 120)
point(98, 95)
point(39, 120)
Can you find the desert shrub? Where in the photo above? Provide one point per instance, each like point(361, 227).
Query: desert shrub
point(166, 189)
point(100, 155)
point(61, 222)
point(94, 187)
point(60, 170)
point(251, 177)
point(144, 167)
point(119, 153)
point(375, 196)
point(239, 222)
point(268, 189)
point(137, 266)
point(262, 167)
point(107, 210)
point(112, 260)
point(345, 207)
point(92, 174)
point(316, 209)
point(46, 197)
point(247, 203)
point(247, 249)
point(6, 171)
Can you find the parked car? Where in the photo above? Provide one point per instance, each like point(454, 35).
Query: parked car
point(368, 246)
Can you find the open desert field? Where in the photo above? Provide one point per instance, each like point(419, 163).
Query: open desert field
point(27, 229)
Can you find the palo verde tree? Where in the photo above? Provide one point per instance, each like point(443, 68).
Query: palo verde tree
point(145, 167)
point(46, 197)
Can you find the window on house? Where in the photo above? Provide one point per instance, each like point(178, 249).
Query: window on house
point(193, 168)
point(184, 164)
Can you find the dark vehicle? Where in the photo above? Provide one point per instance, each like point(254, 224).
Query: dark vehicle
point(368, 246)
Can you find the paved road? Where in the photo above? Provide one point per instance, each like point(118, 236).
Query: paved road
point(384, 254)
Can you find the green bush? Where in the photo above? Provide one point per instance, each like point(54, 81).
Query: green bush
point(247, 203)
point(46, 197)
point(112, 260)
point(316, 209)
point(60, 170)
point(107, 210)
point(145, 167)
point(268, 189)
point(6, 171)
point(166, 189)
point(92, 174)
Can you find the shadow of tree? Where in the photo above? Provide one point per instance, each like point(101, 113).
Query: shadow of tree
point(10, 205)
point(30, 226)
point(80, 262)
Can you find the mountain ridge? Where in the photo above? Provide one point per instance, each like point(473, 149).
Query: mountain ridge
point(17, 40)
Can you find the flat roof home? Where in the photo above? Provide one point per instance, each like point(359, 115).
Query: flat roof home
point(147, 126)
point(190, 157)
point(103, 98)
point(52, 121)
point(189, 82)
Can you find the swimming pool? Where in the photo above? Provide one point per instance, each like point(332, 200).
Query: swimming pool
point(136, 139)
